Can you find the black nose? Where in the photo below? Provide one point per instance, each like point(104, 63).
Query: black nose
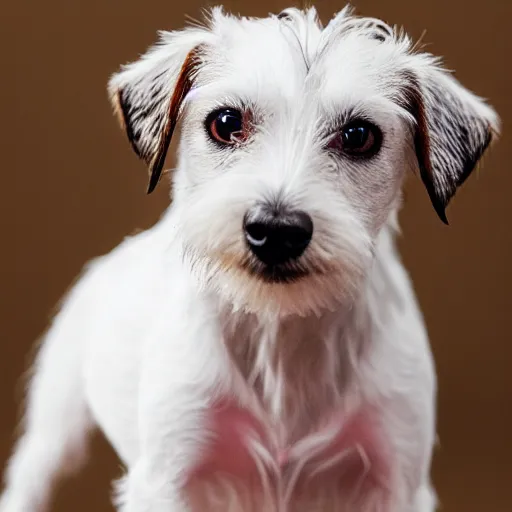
point(275, 238)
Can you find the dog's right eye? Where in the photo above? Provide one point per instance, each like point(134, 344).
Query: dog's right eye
point(225, 126)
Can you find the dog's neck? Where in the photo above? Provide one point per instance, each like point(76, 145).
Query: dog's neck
point(303, 367)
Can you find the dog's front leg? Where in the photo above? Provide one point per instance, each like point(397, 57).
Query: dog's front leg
point(181, 372)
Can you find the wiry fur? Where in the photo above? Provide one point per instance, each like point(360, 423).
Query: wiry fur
point(219, 388)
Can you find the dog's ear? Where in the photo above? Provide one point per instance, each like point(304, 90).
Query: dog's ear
point(147, 95)
point(453, 129)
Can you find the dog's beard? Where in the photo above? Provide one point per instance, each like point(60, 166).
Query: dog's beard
point(308, 285)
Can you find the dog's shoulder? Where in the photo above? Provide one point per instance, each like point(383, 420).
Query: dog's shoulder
point(120, 279)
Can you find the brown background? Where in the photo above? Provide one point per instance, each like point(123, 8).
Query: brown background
point(72, 189)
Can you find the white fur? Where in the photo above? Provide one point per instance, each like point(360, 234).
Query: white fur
point(170, 320)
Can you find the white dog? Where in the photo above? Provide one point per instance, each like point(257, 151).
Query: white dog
point(260, 348)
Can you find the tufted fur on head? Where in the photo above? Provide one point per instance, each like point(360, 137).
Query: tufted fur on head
point(452, 127)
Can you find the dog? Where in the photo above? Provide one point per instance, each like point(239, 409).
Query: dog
point(260, 348)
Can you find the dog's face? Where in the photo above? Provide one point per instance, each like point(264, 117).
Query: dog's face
point(294, 145)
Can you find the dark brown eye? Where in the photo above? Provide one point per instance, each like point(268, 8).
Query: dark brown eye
point(358, 138)
point(225, 126)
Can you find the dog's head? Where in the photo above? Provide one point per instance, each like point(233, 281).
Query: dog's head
point(294, 144)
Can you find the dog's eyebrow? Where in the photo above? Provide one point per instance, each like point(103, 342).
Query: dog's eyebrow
point(346, 116)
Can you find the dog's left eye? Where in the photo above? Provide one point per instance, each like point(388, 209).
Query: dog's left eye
point(225, 126)
point(358, 138)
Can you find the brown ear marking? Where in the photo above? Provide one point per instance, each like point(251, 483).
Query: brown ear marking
point(181, 89)
point(149, 114)
point(449, 140)
point(416, 106)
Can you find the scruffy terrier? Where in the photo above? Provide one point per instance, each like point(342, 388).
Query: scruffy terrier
point(260, 349)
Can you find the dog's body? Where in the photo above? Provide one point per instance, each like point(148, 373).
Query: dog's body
point(223, 381)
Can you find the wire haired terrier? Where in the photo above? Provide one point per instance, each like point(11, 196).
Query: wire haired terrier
point(260, 349)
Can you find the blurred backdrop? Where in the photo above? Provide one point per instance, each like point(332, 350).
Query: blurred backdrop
point(71, 189)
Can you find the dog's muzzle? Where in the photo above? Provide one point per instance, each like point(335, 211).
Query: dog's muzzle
point(277, 237)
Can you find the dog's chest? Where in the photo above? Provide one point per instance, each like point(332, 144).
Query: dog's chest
point(251, 461)
point(293, 432)
point(243, 443)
